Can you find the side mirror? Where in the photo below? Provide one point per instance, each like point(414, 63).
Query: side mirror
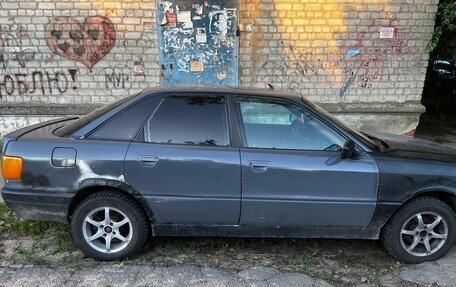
point(349, 150)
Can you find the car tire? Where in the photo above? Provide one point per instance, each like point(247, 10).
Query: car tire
point(109, 226)
point(424, 229)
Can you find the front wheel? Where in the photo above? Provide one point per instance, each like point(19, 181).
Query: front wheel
point(109, 226)
point(424, 229)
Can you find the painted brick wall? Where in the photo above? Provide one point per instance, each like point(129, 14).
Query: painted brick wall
point(330, 51)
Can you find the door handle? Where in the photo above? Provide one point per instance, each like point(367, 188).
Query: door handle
point(259, 166)
point(148, 161)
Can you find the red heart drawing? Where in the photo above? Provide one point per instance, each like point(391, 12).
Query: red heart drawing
point(87, 43)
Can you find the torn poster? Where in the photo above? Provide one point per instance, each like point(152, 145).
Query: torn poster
point(184, 16)
point(148, 26)
point(196, 66)
point(166, 7)
point(218, 22)
point(138, 68)
point(169, 20)
point(231, 20)
point(198, 8)
point(201, 35)
point(353, 52)
point(187, 27)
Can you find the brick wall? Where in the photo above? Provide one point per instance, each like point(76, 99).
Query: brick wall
point(68, 56)
point(331, 50)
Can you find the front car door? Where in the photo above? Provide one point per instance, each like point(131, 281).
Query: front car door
point(292, 172)
point(183, 163)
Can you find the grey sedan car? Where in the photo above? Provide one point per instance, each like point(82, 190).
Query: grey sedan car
point(229, 162)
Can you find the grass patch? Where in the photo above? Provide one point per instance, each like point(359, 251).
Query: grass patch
point(302, 264)
point(63, 243)
point(373, 278)
point(30, 257)
point(10, 223)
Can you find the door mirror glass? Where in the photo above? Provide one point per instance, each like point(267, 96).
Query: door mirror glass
point(349, 150)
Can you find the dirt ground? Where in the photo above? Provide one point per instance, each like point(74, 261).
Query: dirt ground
point(340, 262)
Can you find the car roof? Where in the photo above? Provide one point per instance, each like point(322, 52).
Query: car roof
point(219, 90)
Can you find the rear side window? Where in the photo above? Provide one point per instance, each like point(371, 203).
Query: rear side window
point(90, 117)
point(126, 124)
point(189, 120)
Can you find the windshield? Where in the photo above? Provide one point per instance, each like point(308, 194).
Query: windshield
point(84, 120)
point(359, 136)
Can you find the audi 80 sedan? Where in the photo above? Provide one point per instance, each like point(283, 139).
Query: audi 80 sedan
point(229, 162)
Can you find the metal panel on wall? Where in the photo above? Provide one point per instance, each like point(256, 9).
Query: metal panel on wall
point(198, 42)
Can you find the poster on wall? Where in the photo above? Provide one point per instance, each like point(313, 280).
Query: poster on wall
point(386, 32)
point(198, 43)
point(138, 68)
point(201, 35)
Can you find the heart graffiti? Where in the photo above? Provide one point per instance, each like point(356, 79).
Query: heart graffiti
point(87, 43)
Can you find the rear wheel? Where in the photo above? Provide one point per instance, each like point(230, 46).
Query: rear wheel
point(109, 226)
point(424, 229)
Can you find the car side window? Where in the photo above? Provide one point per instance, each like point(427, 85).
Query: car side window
point(283, 125)
point(126, 124)
point(189, 120)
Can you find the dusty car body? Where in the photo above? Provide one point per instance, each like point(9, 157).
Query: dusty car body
point(273, 165)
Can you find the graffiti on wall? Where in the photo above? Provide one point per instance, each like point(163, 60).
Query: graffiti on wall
point(351, 64)
point(198, 42)
point(86, 43)
point(16, 47)
point(290, 70)
point(46, 82)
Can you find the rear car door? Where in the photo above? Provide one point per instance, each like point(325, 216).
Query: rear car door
point(292, 174)
point(183, 163)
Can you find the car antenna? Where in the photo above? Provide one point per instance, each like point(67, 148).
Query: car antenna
point(270, 86)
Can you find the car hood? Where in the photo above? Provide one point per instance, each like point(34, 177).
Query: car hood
point(410, 147)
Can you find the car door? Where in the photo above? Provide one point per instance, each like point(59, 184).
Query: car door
point(292, 173)
point(183, 163)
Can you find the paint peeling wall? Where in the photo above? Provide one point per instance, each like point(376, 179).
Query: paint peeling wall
point(355, 56)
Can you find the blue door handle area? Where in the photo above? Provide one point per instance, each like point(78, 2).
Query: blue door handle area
point(148, 161)
point(259, 166)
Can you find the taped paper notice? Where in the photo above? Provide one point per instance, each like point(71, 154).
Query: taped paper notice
point(138, 68)
point(386, 32)
point(184, 16)
point(201, 35)
point(196, 66)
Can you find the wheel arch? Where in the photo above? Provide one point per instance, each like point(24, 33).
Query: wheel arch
point(92, 186)
point(446, 195)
